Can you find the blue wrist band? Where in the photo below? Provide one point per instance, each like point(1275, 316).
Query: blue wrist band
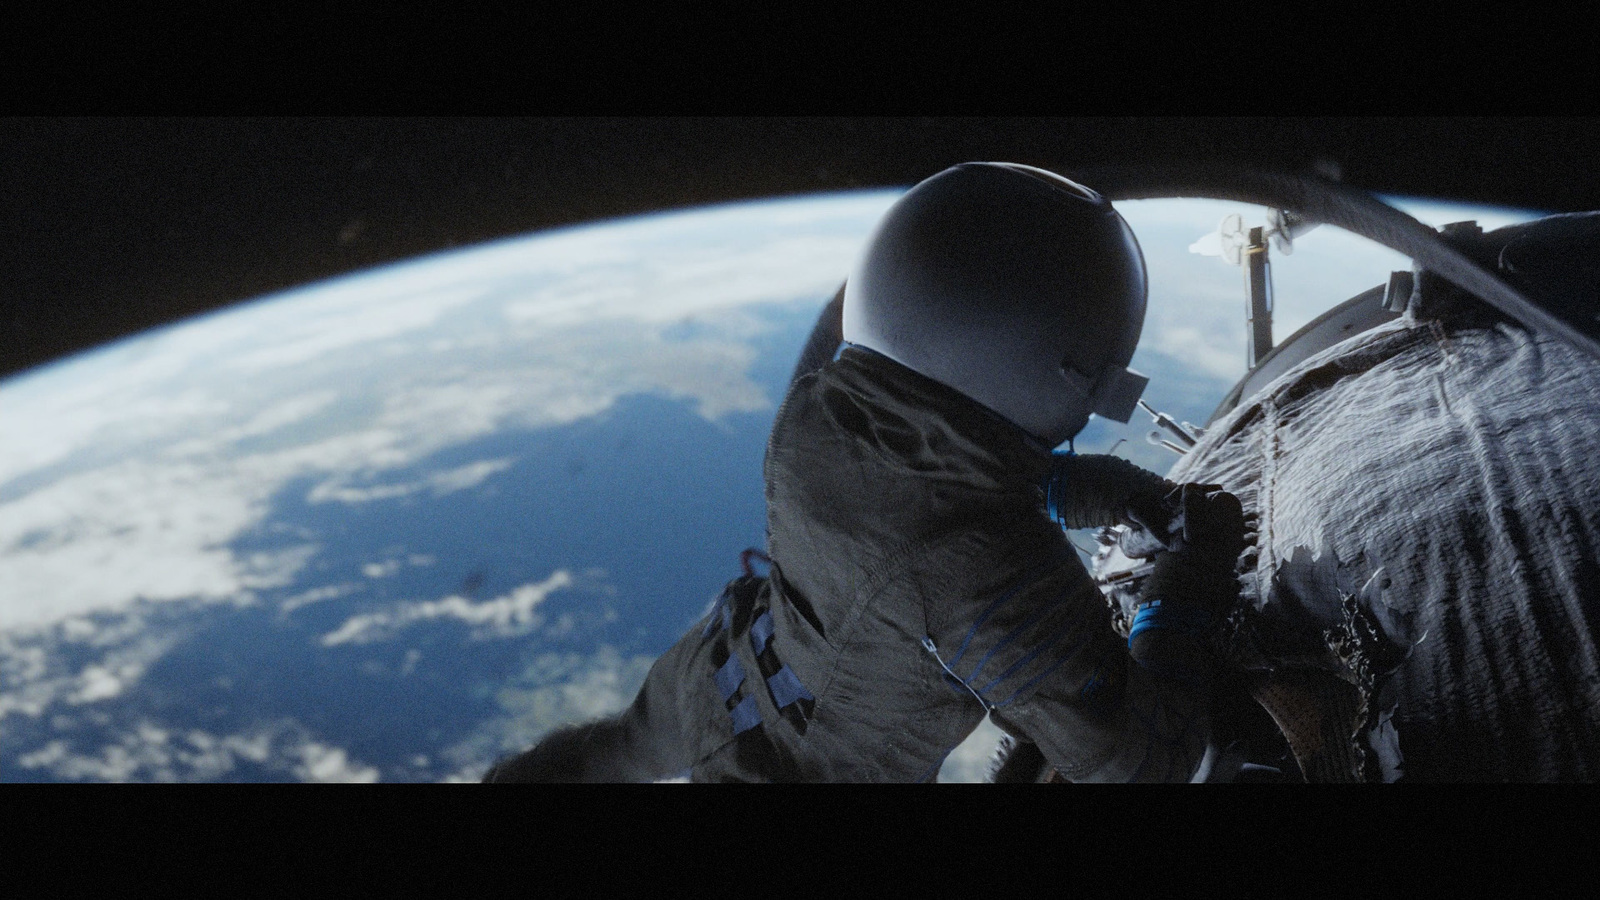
point(1052, 484)
point(1155, 614)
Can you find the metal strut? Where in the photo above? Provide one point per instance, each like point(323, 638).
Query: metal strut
point(1258, 293)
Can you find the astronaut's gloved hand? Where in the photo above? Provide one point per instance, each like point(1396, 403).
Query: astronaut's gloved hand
point(1211, 520)
point(1206, 538)
point(1192, 586)
point(1155, 522)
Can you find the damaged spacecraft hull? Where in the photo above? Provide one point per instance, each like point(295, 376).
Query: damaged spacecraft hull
point(1426, 501)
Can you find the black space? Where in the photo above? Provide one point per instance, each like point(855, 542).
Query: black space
point(111, 226)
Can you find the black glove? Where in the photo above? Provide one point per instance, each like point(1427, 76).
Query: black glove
point(1181, 517)
point(1206, 538)
point(1212, 521)
point(1192, 586)
point(1154, 521)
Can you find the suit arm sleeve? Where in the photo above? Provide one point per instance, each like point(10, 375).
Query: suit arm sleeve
point(1094, 490)
point(1040, 653)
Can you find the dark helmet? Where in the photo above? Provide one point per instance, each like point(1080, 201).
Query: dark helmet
point(1017, 287)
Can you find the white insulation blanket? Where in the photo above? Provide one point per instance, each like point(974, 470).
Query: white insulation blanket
point(1427, 508)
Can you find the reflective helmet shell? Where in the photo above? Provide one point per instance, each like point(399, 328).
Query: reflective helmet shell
point(1017, 287)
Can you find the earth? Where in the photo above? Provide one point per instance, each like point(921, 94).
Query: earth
point(393, 526)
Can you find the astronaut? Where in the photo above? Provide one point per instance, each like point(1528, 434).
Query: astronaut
point(920, 577)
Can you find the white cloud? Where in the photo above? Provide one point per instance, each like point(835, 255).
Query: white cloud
point(98, 684)
point(381, 570)
point(1201, 350)
point(324, 764)
point(34, 677)
point(698, 280)
point(504, 616)
point(556, 689)
point(269, 569)
point(283, 414)
point(76, 630)
point(317, 595)
point(332, 491)
point(468, 476)
point(151, 753)
point(125, 531)
point(340, 327)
